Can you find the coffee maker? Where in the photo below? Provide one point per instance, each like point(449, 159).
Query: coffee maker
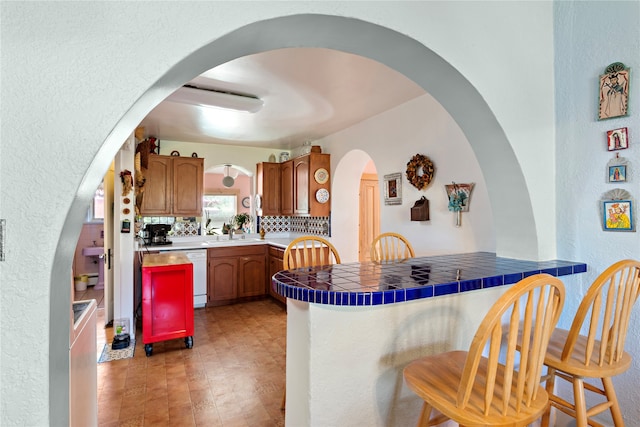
point(156, 234)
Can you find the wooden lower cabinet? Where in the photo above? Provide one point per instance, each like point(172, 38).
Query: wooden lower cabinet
point(276, 256)
point(236, 274)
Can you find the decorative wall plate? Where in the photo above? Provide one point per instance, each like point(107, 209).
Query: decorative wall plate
point(321, 176)
point(322, 195)
point(258, 202)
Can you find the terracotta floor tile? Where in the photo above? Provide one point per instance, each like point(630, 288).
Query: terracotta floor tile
point(232, 377)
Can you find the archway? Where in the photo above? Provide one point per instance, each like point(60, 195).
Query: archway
point(386, 46)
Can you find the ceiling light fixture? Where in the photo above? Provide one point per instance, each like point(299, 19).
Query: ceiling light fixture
point(208, 97)
point(228, 180)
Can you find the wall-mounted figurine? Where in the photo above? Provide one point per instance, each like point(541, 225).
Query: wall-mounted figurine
point(614, 91)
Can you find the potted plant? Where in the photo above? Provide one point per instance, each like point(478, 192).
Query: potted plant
point(241, 221)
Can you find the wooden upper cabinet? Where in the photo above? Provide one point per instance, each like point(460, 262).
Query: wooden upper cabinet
point(158, 183)
point(286, 200)
point(269, 183)
point(307, 184)
point(188, 182)
point(173, 186)
point(301, 185)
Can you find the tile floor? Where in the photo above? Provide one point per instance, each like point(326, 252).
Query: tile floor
point(233, 376)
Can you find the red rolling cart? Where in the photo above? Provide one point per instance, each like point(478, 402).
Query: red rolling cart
point(167, 299)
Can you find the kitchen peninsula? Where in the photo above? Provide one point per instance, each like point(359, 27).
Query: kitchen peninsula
point(351, 329)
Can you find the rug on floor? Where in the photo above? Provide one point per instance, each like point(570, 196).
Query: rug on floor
point(109, 354)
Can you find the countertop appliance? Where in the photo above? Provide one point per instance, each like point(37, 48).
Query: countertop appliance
point(198, 258)
point(156, 234)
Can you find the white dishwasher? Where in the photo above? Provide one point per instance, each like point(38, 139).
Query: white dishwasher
point(198, 258)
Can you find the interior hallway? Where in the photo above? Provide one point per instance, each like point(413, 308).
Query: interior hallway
point(233, 376)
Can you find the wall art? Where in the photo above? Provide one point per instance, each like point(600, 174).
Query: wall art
point(393, 189)
point(617, 170)
point(420, 171)
point(617, 211)
point(617, 139)
point(614, 91)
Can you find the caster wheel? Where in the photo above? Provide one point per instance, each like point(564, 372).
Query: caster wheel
point(148, 349)
point(188, 341)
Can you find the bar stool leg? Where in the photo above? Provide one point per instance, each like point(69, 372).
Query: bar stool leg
point(613, 399)
point(580, 403)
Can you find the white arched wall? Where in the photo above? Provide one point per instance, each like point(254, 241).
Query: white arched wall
point(397, 51)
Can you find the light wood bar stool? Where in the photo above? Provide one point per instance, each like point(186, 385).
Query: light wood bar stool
point(390, 247)
point(474, 390)
point(308, 251)
point(604, 313)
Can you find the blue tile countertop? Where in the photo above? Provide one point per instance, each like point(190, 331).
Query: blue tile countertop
point(358, 284)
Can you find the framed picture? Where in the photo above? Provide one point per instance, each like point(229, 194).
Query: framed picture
point(614, 91)
point(617, 215)
point(617, 173)
point(393, 189)
point(617, 139)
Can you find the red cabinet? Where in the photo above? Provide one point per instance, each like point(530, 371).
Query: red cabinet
point(167, 299)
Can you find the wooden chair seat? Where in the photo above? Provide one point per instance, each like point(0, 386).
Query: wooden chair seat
point(488, 385)
point(443, 372)
point(575, 364)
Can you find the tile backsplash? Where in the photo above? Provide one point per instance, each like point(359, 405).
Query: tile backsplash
point(182, 227)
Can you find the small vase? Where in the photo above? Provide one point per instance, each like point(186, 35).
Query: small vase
point(458, 215)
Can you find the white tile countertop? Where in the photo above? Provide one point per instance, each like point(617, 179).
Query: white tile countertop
point(204, 242)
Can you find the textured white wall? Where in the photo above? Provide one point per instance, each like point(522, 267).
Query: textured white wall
point(585, 44)
point(390, 139)
point(79, 77)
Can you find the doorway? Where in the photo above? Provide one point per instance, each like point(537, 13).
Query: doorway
point(374, 41)
point(369, 216)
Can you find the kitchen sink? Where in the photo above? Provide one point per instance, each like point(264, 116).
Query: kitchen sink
point(224, 241)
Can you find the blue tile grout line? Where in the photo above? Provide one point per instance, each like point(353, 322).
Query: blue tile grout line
point(362, 284)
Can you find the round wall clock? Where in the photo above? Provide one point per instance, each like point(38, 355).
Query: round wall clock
point(321, 176)
point(245, 202)
point(322, 195)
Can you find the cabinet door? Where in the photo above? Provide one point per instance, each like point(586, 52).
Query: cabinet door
point(317, 161)
point(286, 202)
point(252, 269)
point(223, 279)
point(275, 264)
point(269, 183)
point(188, 182)
point(158, 184)
point(301, 186)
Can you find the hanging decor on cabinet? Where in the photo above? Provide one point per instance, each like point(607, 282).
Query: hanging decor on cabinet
point(459, 196)
point(614, 91)
point(420, 171)
point(617, 170)
point(617, 211)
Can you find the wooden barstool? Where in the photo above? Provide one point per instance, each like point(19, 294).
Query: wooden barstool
point(389, 247)
point(308, 251)
point(474, 390)
point(604, 312)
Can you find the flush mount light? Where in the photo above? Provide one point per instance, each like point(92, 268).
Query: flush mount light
point(208, 97)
